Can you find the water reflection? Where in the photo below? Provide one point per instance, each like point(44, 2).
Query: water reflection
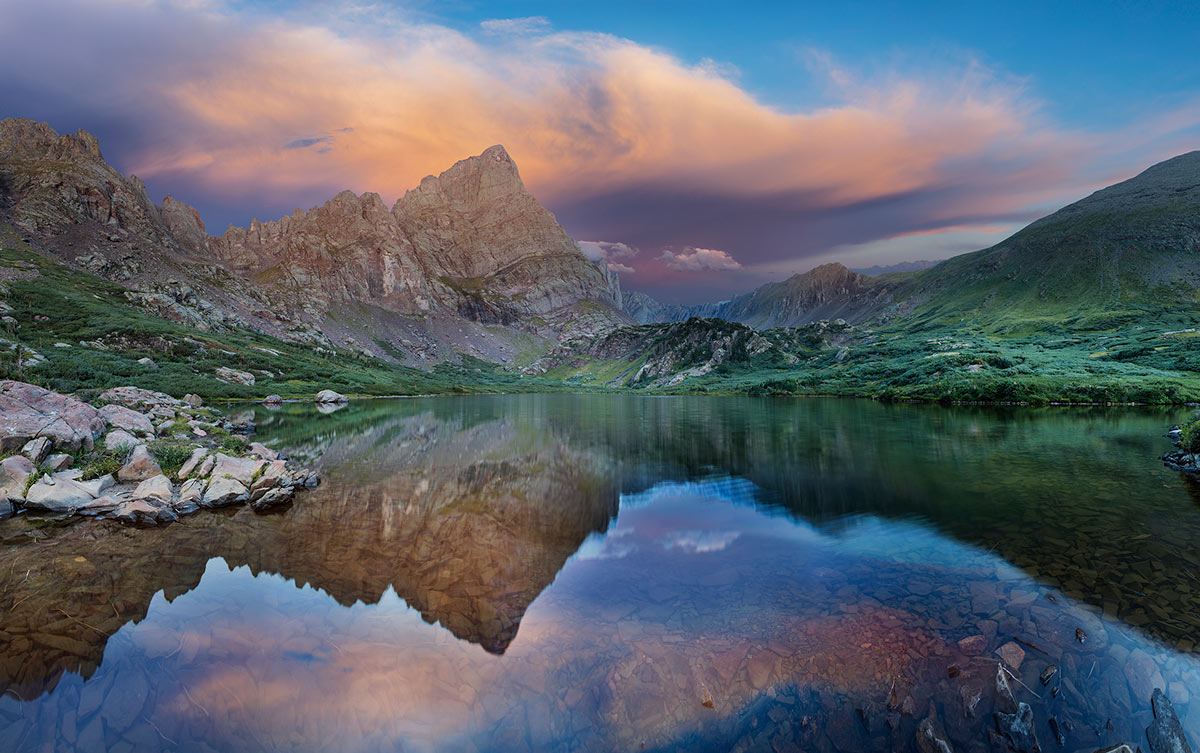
point(819, 574)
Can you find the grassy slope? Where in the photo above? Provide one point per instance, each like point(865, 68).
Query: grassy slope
point(62, 305)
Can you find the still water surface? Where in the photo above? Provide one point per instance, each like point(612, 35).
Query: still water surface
point(601, 573)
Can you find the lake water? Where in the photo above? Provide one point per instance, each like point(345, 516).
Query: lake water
point(611, 573)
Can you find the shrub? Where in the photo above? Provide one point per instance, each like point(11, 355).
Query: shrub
point(1190, 436)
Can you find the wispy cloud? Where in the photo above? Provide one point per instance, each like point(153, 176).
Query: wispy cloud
point(526, 25)
point(307, 142)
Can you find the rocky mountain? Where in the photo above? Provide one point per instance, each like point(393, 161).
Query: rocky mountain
point(1126, 252)
point(467, 262)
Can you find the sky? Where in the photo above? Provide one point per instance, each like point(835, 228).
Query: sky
point(701, 148)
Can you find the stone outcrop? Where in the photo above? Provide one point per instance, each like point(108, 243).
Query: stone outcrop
point(329, 396)
point(28, 412)
point(120, 417)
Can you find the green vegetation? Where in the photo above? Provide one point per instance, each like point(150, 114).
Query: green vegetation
point(101, 461)
point(53, 304)
point(1189, 439)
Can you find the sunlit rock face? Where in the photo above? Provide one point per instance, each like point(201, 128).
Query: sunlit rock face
point(467, 262)
point(466, 524)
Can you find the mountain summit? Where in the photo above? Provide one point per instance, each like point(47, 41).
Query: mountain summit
point(467, 262)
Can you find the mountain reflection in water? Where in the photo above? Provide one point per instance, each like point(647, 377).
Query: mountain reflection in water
point(585, 573)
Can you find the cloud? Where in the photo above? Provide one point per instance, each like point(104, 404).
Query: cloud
point(699, 259)
point(700, 542)
point(526, 25)
point(617, 138)
point(608, 252)
point(305, 143)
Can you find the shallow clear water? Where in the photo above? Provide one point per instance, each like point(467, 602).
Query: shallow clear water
point(604, 573)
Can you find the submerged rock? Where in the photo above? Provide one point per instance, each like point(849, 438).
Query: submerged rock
point(930, 739)
point(1165, 733)
point(1019, 729)
point(1005, 700)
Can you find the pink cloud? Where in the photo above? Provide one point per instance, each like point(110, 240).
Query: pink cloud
point(700, 259)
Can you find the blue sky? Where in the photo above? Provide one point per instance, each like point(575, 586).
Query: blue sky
point(702, 148)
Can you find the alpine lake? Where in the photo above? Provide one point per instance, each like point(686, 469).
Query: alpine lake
point(633, 573)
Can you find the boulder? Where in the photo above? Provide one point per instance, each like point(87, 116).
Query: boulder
point(262, 451)
point(59, 462)
point(156, 489)
point(143, 512)
point(190, 496)
point(329, 396)
point(14, 477)
point(193, 400)
point(147, 362)
point(139, 467)
point(223, 491)
point(272, 400)
point(1019, 728)
point(137, 398)
point(28, 412)
point(192, 462)
point(36, 449)
point(233, 376)
point(118, 439)
point(268, 498)
point(120, 417)
point(241, 470)
point(57, 495)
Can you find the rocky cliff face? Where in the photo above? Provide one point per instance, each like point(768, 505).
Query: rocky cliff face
point(467, 262)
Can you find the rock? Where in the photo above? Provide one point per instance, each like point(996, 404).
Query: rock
point(57, 495)
point(143, 512)
point(1048, 674)
point(6, 508)
point(36, 449)
point(973, 645)
point(1165, 733)
point(192, 462)
point(190, 496)
point(1012, 654)
point(120, 439)
point(147, 363)
point(28, 412)
point(206, 467)
point(1018, 728)
point(241, 470)
point(329, 396)
point(263, 452)
point(98, 506)
point(242, 423)
point(1142, 674)
point(124, 418)
point(930, 739)
point(193, 400)
point(1056, 729)
point(233, 376)
point(268, 498)
point(1006, 701)
point(1118, 748)
point(15, 471)
point(139, 467)
point(98, 486)
point(137, 398)
point(223, 491)
point(272, 400)
point(156, 489)
point(58, 462)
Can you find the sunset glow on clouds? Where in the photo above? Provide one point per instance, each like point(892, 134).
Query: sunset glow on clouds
point(244, 114)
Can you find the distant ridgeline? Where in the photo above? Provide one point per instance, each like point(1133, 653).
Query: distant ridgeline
point(468, 284)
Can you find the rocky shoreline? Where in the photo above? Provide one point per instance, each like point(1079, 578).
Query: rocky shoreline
point(136, 456)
